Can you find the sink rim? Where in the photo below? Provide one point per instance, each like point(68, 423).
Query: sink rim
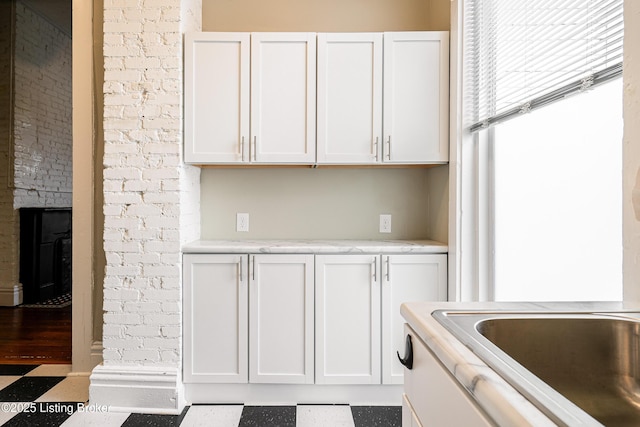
point(462, 325)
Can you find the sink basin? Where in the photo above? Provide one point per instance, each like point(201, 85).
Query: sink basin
point(578, 368)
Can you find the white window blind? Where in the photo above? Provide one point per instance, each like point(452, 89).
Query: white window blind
point(522, 54)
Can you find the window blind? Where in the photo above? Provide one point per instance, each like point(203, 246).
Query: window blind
point(522, 54)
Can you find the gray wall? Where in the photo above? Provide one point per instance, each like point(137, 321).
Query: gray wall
point(304, 203)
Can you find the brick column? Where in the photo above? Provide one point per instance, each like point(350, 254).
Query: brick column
point(151, 204)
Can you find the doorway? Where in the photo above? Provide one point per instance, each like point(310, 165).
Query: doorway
point(36, 151)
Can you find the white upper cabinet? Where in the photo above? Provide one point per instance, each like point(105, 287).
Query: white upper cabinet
point(380, 98)
point(349, 97)
point(383, 105)
point(283, 97)
point(216, 97)
point(416, 97)
point(250, 98)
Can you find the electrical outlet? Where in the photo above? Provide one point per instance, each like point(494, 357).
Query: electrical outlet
point(385, 223)
point(242, 222)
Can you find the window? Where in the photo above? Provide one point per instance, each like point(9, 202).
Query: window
point(553, 176)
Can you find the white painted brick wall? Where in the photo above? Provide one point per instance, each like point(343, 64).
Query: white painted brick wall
point(42, 113)
point(151, 198)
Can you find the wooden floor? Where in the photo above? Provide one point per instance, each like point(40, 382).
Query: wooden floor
point(35, 335)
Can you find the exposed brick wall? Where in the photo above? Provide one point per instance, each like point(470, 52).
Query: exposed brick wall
point(42, 112)
point(151, 199)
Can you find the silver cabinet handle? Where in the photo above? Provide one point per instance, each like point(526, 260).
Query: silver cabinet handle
point(375, 269)
point(389, 147)
point(242, 148)
point(240, 268)
point(253, 268)
point(255, 147)
point(388, 270)
point(375, 147)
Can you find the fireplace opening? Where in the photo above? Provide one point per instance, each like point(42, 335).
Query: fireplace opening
point(45, 253)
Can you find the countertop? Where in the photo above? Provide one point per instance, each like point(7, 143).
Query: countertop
point(316, 246)
point(505, 405)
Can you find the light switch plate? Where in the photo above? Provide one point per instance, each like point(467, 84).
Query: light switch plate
point(385, 223)
point(242, 222)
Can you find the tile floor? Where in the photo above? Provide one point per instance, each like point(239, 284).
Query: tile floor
point(45, 396)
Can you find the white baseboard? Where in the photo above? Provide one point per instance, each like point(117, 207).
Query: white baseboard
point(11, 296)
point(292, 394)
point(142, 389)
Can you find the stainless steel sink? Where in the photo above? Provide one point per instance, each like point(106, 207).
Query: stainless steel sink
point(578, 368)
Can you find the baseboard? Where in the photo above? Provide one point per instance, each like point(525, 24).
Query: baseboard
point(11, 296)
point(96, 353)
point(293, 394)
point(142, 389)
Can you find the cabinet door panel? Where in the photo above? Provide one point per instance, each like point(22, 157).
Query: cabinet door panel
point(347, 319)
point(416, 95)
point(406, 278)
point(216, 97)
point(349, 97)
point(215, 318)
point(281, 321)
point(283, 101)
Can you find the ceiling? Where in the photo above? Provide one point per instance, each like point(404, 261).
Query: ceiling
point(57, 12)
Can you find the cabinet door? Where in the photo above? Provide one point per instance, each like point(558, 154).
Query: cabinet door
point(416, 97)
point(283, 101)
point(216, 98)
point(347, 319)
point(406, 278)
point(215, 318)
point(435, 395)
point(349, 97)
point(281, 320)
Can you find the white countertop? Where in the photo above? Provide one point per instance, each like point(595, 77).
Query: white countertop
point(316, 246)
point(505, 405)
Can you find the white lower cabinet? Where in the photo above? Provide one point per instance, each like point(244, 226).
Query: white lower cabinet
point(359, 328)
point(281, 319)
point(215, 318)
point(406, 278)
point(300, 318)
point(432, 396)
point(347, 319)
point(248, 318)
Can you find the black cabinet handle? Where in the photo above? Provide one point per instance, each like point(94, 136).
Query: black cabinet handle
point(407, 361)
